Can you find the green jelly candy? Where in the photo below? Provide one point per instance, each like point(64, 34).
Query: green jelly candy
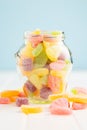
point(37, 50)
point(41, 60)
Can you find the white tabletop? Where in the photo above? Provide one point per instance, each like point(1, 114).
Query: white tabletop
point(11, 117)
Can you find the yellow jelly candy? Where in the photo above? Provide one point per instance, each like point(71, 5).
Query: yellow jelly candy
point(57, 96)
point(36, 32)
point(27, 51)
point(58, 73)
point(53, 52)
point(40, 71)
point(35, 80)
point(31, 109)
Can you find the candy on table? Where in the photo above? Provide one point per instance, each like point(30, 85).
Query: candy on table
point(4, 100)
point(79, 90)
point(55, 83)
point(45, 92)
point(22, 101)
point(53, 52)
point(41, 60)
point(9, 93)
point(31, 109)
point(58, 65)
point(57, 96)
point(37, 50)
point(21, 94)
point(78, 106)
point(60, 106)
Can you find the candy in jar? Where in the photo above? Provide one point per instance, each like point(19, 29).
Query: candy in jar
point(46, 62)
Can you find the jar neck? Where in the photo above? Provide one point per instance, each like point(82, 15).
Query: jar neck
point(47, 37)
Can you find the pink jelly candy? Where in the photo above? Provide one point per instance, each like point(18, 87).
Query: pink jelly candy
point(4, 100)
point(60, 64)
point(35, 40)
point(78, 106)
point(45, 92)
point(60, 107)
point(21, 101)
point(27, 64)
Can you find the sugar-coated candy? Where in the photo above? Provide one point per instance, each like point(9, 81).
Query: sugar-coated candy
point(78, 106)
point(79, 90)
point(27, 51)
point(21, 100)
point(9, 93)
point(40, 71)
point(60, 106)
point(35, 40)
point(58, 65)
point(41, 60)
point(55, 83)
point(27, 64)
point(53, 52)
point(37, 50)
point(35, 80)
point(45, 92)
point(31, 109)
point(30, 86)
point(4, 100)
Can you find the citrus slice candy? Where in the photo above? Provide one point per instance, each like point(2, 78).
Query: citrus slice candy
point(31, 109)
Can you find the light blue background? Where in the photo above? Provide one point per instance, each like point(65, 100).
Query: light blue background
point(17, 16)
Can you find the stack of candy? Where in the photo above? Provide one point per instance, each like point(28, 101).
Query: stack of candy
point(46, 62)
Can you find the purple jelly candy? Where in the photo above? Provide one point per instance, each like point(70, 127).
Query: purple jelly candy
point(45, 92)
point(30, 86)
point(21, 101)
point(27, 64)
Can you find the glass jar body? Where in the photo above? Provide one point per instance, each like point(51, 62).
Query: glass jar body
point(45, 63)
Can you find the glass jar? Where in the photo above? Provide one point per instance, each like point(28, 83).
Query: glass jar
point(45, 63)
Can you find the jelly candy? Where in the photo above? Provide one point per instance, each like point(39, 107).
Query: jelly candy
point(37, 50)
point(30, 86)
point(35, 80)
point(27, 64)
point(35, 40)
point(27, 51)
point(31, 109)
point(60, 107)
point(44, 80)
point(21, 94)
point(57, 65)
point(21, 100)
point(40, 71)
point(4, 100)
point(40, 60)
point(78, 106)
point(79, 90)
point(53, 52)
point(78, 98)
point(45, 92)
point(60, 74)
point(55, 84)
point(37, 32)
point(57, 96)
point(9, 93)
